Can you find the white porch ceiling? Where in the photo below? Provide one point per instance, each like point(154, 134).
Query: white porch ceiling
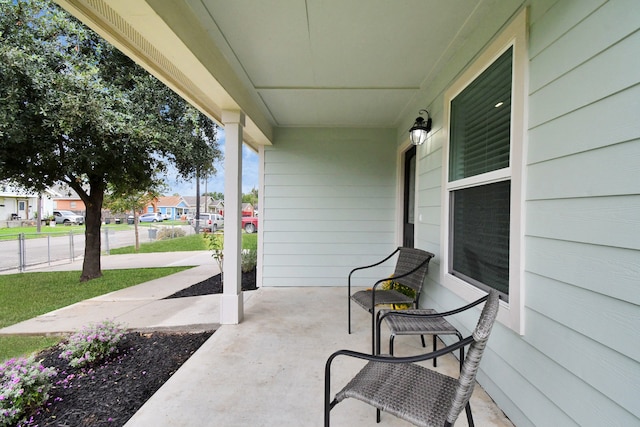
point(303, 63)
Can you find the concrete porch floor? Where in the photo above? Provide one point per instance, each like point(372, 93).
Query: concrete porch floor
point(269, 370)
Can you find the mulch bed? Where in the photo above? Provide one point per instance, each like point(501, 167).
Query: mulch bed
point(110, 393)
point(213, 285)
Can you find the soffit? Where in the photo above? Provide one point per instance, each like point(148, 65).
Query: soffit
point(334, 62)
point(291, 63)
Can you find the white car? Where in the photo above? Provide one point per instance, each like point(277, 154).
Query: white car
point(210, 222)
point(68, 218)
point(150, 217)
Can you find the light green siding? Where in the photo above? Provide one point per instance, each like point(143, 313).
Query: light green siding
point(330, 204)
point(578, 361)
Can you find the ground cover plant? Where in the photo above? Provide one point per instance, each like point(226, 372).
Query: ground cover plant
point(109, 392)
point(24, 386)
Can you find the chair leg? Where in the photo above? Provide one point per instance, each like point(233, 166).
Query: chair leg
point(469, 416)
point(373, 330)
point(422, 339)
point(461, 351)
point(349, 313)
point(435, 359)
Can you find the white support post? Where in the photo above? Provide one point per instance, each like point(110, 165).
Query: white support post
point(231, 310)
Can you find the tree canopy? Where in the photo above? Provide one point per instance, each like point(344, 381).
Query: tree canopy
point(74, 109)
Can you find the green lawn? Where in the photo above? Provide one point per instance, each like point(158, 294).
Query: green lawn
point(194, 242)
point(26, 295)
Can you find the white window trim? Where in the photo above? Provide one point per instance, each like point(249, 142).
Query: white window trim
point(511, 314)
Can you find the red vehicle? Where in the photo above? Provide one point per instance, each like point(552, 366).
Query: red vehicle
point(250, 224)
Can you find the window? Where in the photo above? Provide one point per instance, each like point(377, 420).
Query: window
point(479, 148)
point(485, 115)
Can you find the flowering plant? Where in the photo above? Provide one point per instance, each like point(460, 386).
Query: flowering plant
point(92, 343)
point(24, 385)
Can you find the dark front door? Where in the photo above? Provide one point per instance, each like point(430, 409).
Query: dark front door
point(409, 196)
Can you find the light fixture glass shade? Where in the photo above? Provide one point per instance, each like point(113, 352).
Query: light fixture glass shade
point(420, 129)
point(418, 136)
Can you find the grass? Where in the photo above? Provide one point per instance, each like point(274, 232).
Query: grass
point(194, 242)
point(26, 295)
point(16, 346)
point(32, 233)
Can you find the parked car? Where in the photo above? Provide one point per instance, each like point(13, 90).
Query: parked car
point(250, 224)
point(210, 222)
point(68, 218)
point(150, 217)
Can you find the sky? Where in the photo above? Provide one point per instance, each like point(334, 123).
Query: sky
point(216, 183)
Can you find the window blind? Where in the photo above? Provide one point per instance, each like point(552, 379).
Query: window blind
point(480, 235)
point(481, 122)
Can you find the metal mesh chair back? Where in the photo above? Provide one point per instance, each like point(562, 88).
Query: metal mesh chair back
point(466, 381)
point(408, 259)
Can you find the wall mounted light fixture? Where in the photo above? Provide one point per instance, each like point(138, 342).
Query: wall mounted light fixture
point(420, 129)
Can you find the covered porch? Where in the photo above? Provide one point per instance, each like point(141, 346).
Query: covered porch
point(269, 369)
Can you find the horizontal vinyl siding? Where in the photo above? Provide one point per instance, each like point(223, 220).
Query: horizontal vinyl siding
point(577, 363)
point(582, 260)
point(329, 205)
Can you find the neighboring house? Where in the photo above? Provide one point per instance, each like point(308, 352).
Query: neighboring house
point(66, 198)
point(247, 209)
point(528, 181)
point(215, 206)
point(172, 207)
point(16, 203)
point(207, 204)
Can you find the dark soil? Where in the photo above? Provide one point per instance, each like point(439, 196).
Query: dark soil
point(109, 393)
point(213, 285)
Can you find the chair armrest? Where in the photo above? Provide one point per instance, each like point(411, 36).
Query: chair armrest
point(369, 266)
point(408, 313)
point(405, 359)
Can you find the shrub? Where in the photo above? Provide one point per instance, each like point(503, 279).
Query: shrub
point(170, 233)
point(249, 260)
point(24, 386)
point(216, 244)
point(92, 343)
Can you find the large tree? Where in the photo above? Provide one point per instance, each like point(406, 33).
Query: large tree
point(74, 109)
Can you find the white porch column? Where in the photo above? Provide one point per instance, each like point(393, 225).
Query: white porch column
point(231, 310)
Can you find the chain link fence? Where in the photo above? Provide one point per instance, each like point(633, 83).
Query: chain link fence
point(23, 250)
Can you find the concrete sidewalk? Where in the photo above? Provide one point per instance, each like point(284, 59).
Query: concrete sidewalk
point(139, 307)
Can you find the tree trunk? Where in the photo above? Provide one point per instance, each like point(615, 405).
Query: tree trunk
point(91, 265)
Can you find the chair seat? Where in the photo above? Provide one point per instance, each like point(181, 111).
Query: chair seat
point(363, 298)
point(409, 391)
point(406, 325)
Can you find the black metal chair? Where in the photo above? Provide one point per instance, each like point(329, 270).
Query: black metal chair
point(417, 394)
point(420, 322)
point(411, 269)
